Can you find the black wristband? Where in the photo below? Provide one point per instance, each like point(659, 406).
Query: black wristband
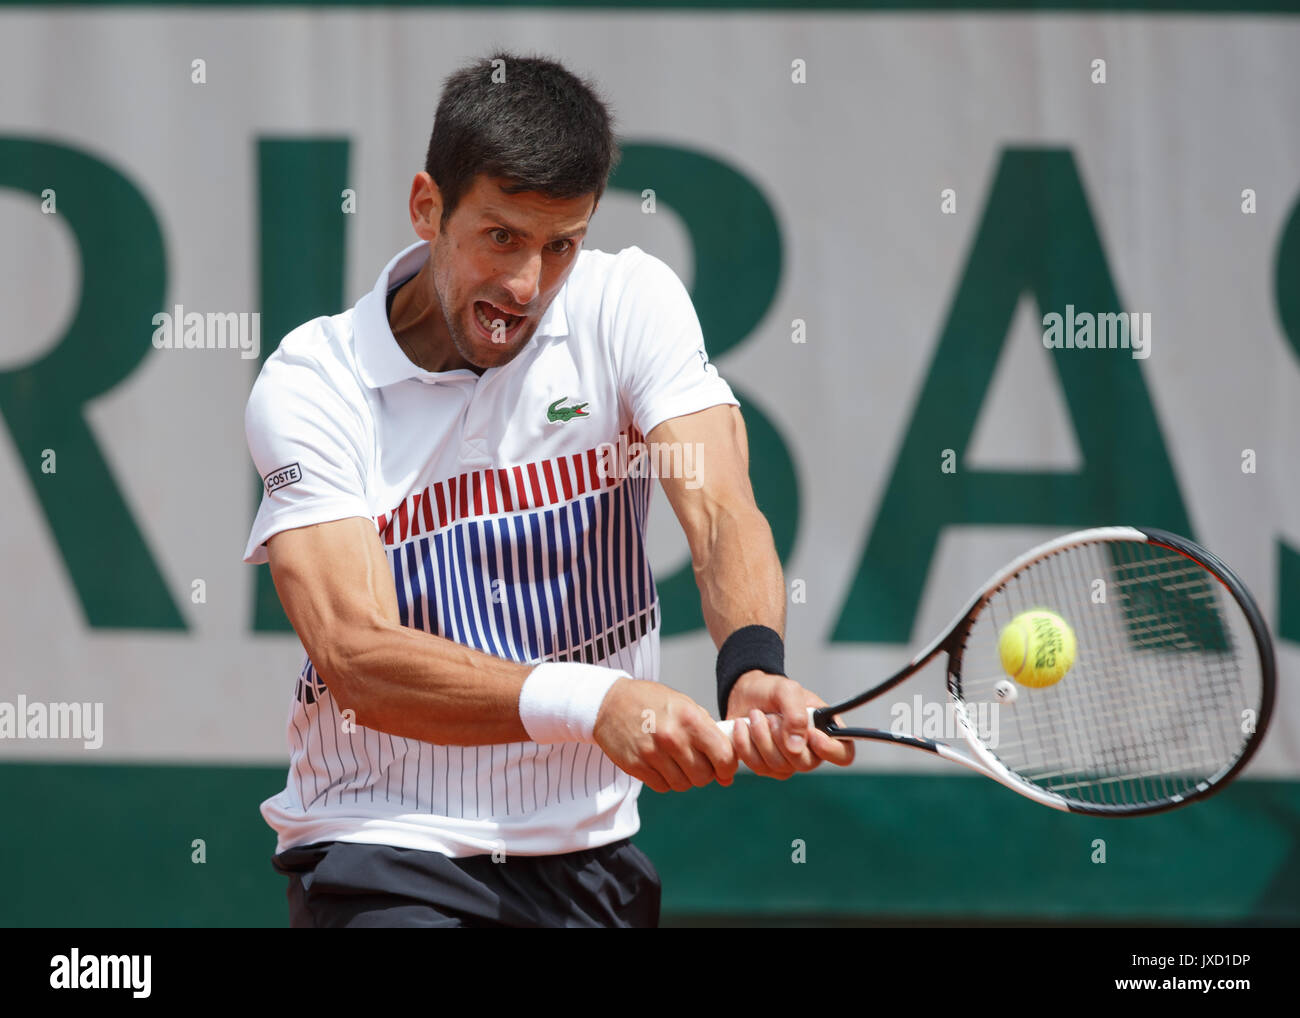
point(748, 648)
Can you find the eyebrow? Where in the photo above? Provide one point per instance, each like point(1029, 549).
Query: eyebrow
point(493, 214)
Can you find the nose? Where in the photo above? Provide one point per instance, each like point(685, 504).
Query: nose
point(525, 283)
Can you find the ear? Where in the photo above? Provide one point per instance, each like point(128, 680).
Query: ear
point(425, 207)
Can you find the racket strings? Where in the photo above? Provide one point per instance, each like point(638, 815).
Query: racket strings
point(1159, 737)
point(1153, 705)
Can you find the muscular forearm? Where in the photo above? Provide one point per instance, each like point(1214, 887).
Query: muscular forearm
point(337, 589)
point(412, 684)
point(739, 574)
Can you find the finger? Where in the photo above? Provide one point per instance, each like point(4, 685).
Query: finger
point(850, 746)
point(695, 765)
point(791, 699)
point(671, 772)
point(834, 751)
point(686, 751)
point(746, 751)
point(651, 779)
point(716, 747)
point(774, 760)
point(825, 747)
point(806, 760)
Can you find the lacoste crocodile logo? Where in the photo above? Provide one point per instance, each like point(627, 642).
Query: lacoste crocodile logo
point(557, 414)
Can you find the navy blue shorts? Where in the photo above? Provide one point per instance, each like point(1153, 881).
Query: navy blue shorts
point(343, 884)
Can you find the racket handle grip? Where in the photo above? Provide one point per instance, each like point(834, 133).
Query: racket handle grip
point(729, 726)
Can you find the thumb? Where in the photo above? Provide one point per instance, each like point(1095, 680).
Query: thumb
point(794, 716)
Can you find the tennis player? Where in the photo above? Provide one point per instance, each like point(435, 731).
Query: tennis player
point(457, 476)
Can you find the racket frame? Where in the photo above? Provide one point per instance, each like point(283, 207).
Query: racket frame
point(953, 643)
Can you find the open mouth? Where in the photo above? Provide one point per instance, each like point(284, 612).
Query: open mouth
point(496, 325)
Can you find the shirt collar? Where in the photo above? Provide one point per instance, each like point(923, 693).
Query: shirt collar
point(382, 362)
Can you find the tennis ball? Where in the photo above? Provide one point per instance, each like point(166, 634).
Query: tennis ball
point(1037, 648)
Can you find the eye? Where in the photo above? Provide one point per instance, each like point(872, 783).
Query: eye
point(561, 246)
point(500, 235)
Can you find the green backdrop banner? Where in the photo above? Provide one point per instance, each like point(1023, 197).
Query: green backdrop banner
point(187, 848)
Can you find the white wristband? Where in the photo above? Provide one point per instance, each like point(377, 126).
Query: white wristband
point(560, 700)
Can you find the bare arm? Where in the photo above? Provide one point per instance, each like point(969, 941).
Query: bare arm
point(337, 588)
point(732, 552)
point(739, 575)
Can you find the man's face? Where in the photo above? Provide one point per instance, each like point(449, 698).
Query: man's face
point(499, 262)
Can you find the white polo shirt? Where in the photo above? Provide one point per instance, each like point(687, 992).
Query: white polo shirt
point(505, 529)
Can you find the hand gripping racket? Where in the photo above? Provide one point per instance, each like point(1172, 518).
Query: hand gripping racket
point(1169, 694)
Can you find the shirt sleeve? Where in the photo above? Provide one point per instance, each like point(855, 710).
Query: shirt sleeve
point(664, 369)
point(307, 443)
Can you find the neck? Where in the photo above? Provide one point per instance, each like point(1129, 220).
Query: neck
point(420, 328)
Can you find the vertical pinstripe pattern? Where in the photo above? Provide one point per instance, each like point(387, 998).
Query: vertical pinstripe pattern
point(534, 562)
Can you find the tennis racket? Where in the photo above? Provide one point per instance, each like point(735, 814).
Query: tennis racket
point(1169, 694)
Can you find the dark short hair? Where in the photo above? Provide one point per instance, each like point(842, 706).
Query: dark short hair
point(542, 128)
